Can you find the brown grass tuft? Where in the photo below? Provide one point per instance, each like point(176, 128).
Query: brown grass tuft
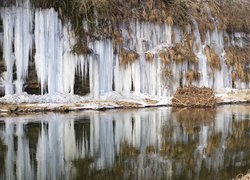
point(128, 56)
point(213, 59)
point(149, 56)
point(191, 76)
point(239, 59)
point(164, 56)
point(170, 21)
point(180, 53)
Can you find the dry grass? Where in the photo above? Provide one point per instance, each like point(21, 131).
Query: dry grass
point(239, 59)
point(180, 53)
point(213, 143)
point(128, 56)
point(194, 116)
point(232, 15)
point(191, 76)
point(149, 56)
point(128, 150)
point(194, 97)
point(164, 56)
point(151, 101)
point(167, 76)
point(242, 176)
point(213, 59)
point(117, 37)
point(126, 104)
point(191, 118)
point(104, 16)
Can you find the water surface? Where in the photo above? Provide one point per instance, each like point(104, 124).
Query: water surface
point(160, 143)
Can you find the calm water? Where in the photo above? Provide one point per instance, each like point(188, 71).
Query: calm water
point(162, 143)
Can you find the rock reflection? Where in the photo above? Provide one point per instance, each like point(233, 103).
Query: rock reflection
point(145, 144)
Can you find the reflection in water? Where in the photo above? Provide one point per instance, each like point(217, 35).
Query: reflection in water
point(151, 143)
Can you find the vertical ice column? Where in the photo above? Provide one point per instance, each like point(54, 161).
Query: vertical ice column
point(17, 25)
point(22, 43)
point(7, 17)
point(101, 67)
point(222, 77)
point(205, 79)
point(69, 65)
point(54, 32)
point(41, 64)
point(48, 43)
point(94, 76)
point(105, 51)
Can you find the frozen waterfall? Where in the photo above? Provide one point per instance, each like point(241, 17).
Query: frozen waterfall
point(39, 35)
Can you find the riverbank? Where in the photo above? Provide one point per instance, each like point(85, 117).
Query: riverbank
point(23, 103)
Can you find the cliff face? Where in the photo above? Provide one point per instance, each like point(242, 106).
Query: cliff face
point(149, 47)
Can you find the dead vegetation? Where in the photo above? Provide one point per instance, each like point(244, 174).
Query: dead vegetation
point(149, 56)
point(151, 101)
point(194, 97)
point(127, 105)
point(242, 176)
point(179, 52)
point(128, 56)
point(191, 118)
point(213, 59)
point(213, 144)
point(101, 18)
point(232, 14)
point(164, 56)
point(239, 59)
point(167, 76)
point(191, 76)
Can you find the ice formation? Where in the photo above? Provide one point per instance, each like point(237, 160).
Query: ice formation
point(56, 65)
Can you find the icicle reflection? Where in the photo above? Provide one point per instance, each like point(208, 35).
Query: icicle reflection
point(147, 143)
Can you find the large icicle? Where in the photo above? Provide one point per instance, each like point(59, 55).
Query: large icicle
point(7, 17)
point(22, 43)
point(17, 25)
point(48, 42)
point(101, 67)
point(55, 63)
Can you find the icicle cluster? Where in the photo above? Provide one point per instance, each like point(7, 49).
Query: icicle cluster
point(17, 45)
point(56, 65)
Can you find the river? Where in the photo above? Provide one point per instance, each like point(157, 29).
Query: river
point(150, 143)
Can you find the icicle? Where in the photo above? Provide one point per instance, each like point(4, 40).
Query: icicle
point(101, 67)
point(56, 65)
point(7, 17)
point(22, 44)
point(202, 59)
